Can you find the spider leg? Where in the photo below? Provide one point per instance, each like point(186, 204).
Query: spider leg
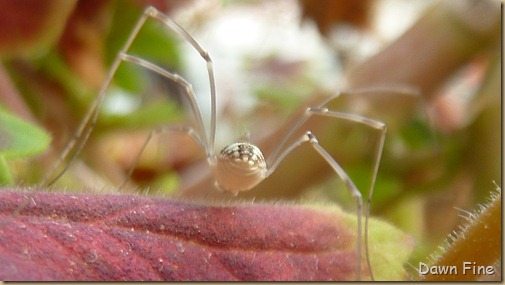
point(188, 89)
point(378, 154)
point(375, 91)
point(164, 129)
point(173, 26)
point(87, 124)
point(403, 91)
point(322, 111)
point(353, 190)
point(79, 139)
point(84, 130)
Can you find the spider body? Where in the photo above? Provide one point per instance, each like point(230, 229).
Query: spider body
point(240, 166)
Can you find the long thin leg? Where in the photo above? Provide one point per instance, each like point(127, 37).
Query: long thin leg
point(85, 128)
point(322, 111)
point(376, 91)
point(83, 132)
point(182, 129)
point(188, 89)
point(406, 91)
point(378, 155)
point(353, 190)
point(165, 20)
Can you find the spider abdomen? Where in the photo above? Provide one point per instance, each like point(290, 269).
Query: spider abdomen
point(240, 166)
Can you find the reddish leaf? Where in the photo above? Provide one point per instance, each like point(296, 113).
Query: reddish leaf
point(118, 237)
point(328, 13)
point(29, 26)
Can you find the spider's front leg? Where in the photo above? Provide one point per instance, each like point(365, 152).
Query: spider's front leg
point(356, 194)
point(279, 156)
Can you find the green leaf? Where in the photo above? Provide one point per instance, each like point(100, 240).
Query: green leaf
point(54, 65)
point(5, 174)
point(389, 247)
point(418, 134)
point(167, 183)
point(150, 115)
point(154, 43)
point(19, 138)
point(288, 99)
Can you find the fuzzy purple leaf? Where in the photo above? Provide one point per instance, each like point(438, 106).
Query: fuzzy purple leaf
point(119, 237)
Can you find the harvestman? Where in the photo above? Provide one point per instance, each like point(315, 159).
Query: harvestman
point(241, 165)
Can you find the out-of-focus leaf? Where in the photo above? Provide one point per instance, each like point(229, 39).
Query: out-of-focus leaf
point(19, 138)
point(5, 174)
point(153, 114)
point(327, 13)
point(82, 43)
point(54, 65)
point(167, 183)
point(154, 42)
point(28, 26)
point(284, 99)
point(118, 237)
point(418, 134)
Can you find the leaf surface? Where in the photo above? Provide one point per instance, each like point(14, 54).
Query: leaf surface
point(19, 138)
point(119, 237)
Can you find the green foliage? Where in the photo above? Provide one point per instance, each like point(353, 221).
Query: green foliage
point(389, 247)
point(153, 114)
point(5, 174)
point(286, 99)
point(18, 139)
point(153, 43)
point(54, 65)
point(418, 134)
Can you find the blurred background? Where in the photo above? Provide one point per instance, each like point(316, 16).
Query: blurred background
point(272, 59)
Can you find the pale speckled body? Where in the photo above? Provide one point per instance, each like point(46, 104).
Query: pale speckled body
point(239, 167)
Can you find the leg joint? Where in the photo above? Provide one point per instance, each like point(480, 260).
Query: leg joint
point(311, 137)
point(318, 110)
point(151, 11)
point(206, 56)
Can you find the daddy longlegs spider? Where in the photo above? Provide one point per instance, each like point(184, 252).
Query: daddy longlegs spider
point(241, 165)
